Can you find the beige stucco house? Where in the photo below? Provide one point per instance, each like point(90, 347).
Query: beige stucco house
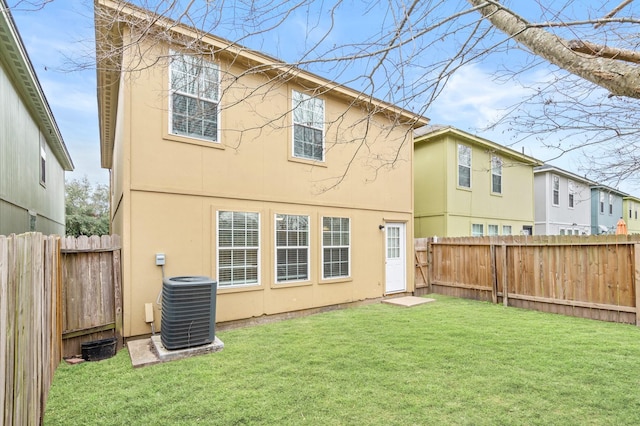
point(466, 185)
point(281, 185)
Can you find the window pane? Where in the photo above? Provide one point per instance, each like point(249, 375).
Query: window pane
point(335, 243)
point(194, 101)
point(237, 254)
point(292, 238)
point(308, 127)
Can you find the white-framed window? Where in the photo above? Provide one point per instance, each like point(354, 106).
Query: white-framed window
point(336, 247)
point(555, 190)
point(496, 174)
point(601, 202)
point(308, 127)
point(492, 230)
point(506, 229)
point(630, 209)
point(43, 162)
point(194, 98)
point(572, 192)
point(292, 248)
point(477, 230)
point(562, 231)
point(464, 166)
point(610, 204)
point(238, 248)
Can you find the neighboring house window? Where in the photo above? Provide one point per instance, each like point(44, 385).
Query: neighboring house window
point(562, 232)
point(292, 248)
point(610, 203)
point(335, 247)
point(601, 202)
point(308, 127)
point(195, 91)
point(492, 230)
point(572, 192)
point(238, 248)
point(43, 162)
point(506, 229)
point(464, 166)
point(477, 230)
point(556, 191)
point(496, 175)
point(630, 209)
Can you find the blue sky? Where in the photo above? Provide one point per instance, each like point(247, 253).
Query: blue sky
point(63, 29)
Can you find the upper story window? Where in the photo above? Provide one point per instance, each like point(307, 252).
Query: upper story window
point(308, 127)
point(610, 203)
point(195, 91)
point(556, 190)
point(43, 162)
point(601, 202)
point(496, 175)
point(464, 166)
point(572, 192)
point(630, 209)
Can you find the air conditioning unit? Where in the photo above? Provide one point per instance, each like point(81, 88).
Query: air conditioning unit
point(188, 312)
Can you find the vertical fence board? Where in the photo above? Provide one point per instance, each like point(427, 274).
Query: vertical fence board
point(4, 276)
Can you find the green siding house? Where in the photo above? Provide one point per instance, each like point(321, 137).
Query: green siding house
point(465, 185)
point(630, 207)
point(33, 156)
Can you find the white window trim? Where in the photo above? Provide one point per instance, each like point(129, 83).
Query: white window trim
point(481, 227)
point(174, 54)
point(348, 247)
point(275, 244)
point(293, 132)
point(42, 162)
point(464, 165)
point(510, 229)
point(219, 248)
point(571, 195)
point(496, 160)
point(554, 179)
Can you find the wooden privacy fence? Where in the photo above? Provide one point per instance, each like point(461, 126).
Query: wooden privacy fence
point(30, 324)
point(91, 295)
point(593, 277)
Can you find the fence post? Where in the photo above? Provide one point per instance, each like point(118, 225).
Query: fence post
point(636, 265)
point(494, 273)
point(505, 286)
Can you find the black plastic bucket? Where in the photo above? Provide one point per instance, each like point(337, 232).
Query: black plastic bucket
point(99, 349)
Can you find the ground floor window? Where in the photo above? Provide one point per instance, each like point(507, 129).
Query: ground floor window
point(506, 229)
point(292, 248)
point(492, 230)
point(335, 247)
point(238, 248)
point(477, 230)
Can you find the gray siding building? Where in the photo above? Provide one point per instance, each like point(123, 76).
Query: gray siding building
point(606, 209)
point(562, 202)
point(33, 156)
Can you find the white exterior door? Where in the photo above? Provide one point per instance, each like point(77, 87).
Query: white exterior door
point(396, 260)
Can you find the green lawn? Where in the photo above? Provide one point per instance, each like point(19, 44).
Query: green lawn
point(453, 361)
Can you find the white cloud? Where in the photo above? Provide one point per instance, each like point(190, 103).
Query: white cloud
point(472, 99)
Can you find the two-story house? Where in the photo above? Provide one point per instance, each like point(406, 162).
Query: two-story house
point(290, 190)
point(469, 186)
point(562, 202)
point(630, 207)
point(606, 209)
point(33, 155)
